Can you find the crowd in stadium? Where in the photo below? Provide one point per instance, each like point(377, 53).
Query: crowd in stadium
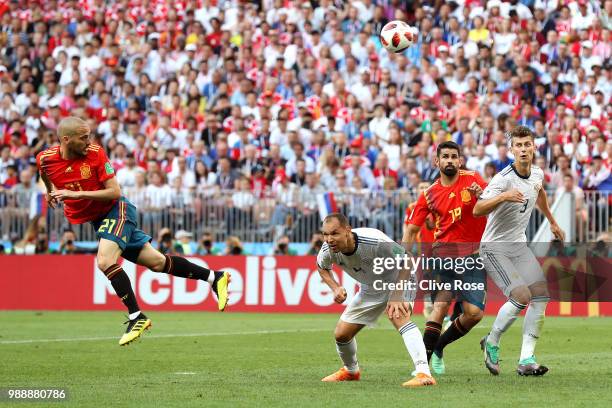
point(290, 99)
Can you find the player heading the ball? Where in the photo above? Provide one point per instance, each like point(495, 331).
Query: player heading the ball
point(79, 174)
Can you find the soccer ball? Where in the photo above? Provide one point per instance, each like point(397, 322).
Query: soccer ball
point(396, 36)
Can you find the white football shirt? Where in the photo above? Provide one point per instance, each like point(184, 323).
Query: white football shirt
point(370, 245)
point(508, 221)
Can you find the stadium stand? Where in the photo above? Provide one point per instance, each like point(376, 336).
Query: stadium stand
point(238, 118)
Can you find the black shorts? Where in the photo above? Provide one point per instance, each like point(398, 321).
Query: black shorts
point(468, 280)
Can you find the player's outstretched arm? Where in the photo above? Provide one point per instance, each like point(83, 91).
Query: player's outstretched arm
point(328, 278)
point(542, 204)
point(111, 191)
point(484, 207)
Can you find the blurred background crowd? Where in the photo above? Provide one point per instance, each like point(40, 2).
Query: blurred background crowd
point(233, 118)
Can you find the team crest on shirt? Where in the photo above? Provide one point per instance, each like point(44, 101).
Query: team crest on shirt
point(85, 171)
point(465, 196)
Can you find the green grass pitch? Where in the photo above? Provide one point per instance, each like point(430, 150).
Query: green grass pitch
point(235, 359)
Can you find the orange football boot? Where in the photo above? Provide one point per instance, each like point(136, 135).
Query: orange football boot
point(342, 375)
point(420, 380)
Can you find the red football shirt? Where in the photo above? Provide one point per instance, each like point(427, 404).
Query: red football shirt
point(425, 234)
point(86, 173)
point(452, 208)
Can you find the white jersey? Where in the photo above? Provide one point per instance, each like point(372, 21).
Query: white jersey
point(370, 243)
point(508, 221)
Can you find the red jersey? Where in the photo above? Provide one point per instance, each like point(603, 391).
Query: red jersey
point(452, 208)
point(425, 234)
point(86, 173)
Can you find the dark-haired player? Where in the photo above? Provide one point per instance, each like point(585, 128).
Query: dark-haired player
point(450, 199)
point(79, 174)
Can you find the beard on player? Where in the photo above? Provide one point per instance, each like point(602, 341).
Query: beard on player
point(449, 170)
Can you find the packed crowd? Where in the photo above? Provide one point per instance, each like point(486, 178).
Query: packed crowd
point(286, 100)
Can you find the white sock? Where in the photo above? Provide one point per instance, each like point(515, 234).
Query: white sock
point(505, 317)
point(134, 315)
point(415, 346)
point(211, 277)
point(348, 355)
point(534, 320)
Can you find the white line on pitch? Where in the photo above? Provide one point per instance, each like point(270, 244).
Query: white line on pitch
point(168, 336)
point(164, 336)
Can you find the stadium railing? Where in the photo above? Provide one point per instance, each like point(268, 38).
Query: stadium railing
point(264, 219)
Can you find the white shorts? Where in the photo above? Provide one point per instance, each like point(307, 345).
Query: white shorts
point(512, 266)
point(366, 307)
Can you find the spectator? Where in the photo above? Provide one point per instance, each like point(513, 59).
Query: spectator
point(360, 171)
point(5, 162)
point(187, 176)
point(11, 177)
point(490, 172)
point(226, 176)
point(469, 109)
point(286, 194)
point(205, 180)
point(206, 245)
point(158, 198)
point(596, 174)
point(198, 154)
point(257, 84)
point(184, 244)
point(159, 195)
point(395, 150)
point(308, 206)
point(479, 160)
point(379, 125)
point(126, 176)
point(316, 242)
point(582, 213)
point(233, 246)
point(502, 160)
point(562, 169)
point(68, 243)
point(282, 247)
point(34, 239)
point(298, 154)
point(164, 242)
point(239, 214)
point(299, 175)
point(138, 193)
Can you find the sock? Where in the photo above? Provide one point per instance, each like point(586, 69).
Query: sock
point(457, 310)
point(534, 320)
point(454, 332)
point(179, 266)
point(348, 354)
point(134, 315)
point(431, 336)
point(416, 348)
point(505, 317)
point(121, 283)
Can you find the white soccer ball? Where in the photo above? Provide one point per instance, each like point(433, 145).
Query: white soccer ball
point(396, 36)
